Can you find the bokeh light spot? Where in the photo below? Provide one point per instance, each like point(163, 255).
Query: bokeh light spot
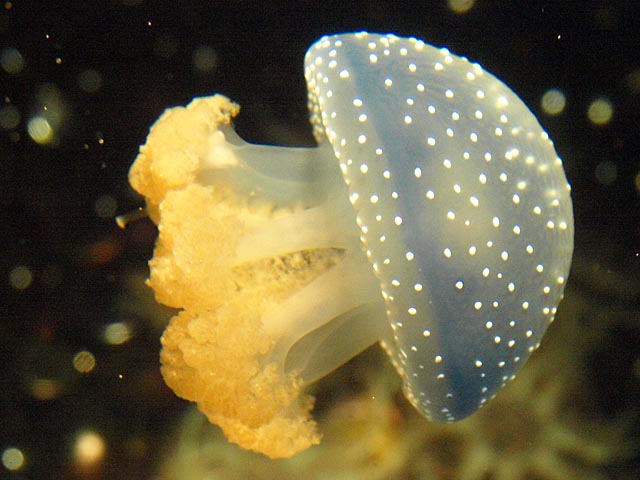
point(105, 206)
point(553, 102)
point(633, 81)
point(606, 172)
point(9, 117)
point(117, 333)
point(461, 6)
point(45, 388)
point(11, 60)
point(89, 448)
point(40, 130)
point(84, 361)
point(20, 277)
point(600, 111)
point(12, 459)
point(89, 81)
point(102, 251)
point(205, 59)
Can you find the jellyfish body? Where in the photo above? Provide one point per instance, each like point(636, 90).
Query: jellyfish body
point(434, 217)
point(463, 207)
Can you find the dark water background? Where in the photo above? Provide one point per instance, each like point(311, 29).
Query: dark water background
point(100, 72)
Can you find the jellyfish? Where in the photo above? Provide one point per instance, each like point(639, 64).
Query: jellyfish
point(433, 217)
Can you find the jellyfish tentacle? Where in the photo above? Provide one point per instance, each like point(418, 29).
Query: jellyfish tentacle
point(303, 313)
point(276, 176)
point(325, 226)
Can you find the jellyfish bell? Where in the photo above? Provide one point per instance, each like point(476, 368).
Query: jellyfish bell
point(433, 217)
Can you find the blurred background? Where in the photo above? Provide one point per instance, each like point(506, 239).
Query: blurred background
point(81, 396)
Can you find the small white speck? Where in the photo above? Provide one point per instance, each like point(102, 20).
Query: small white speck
point(447, 252)
point(397, 220)
point(417, 172)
